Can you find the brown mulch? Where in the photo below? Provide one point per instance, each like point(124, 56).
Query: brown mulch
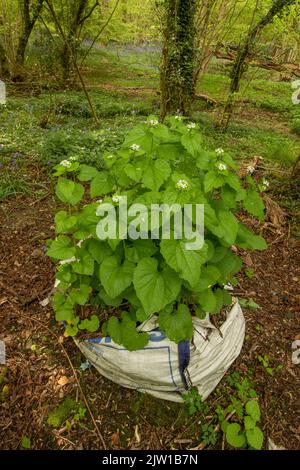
point(39, 374)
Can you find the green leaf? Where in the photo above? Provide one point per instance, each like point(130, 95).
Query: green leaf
point(90, 324)
point(69, 192)
point(80, 296)
point(209, 276)
point(233, 435)
point(229, 225)
point(249, 423)
point(64, 222)
point(111, 302)
point(64, 312)
point(61, 248)
point(207, 300)
point(133, 172)
point(229, 265)
point(252, 408)
point(115, 276)
point(99, 250)
point(192, 142)
point(155, 289)
point(124, 332)
point(186, 263)
point(102, 184)
point(140, 249)
point(156, 174)
point(26, 443)
point(177, 325)
point(212, 181)
point(255, 438)
point(87, 173)
point(254, 204)
point(85, 264)
point(248, 240)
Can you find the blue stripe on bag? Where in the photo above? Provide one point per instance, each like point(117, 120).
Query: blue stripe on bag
point(184, 360)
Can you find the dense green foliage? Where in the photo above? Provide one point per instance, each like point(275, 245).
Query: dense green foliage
point(157, 164)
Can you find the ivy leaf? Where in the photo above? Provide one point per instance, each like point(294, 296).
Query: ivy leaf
point(254, 204)
point(102, 184)
point(229, 225)
point(116, 277)
point(84, 265)
point(80, 296)
point(177, 325)
point(61, 248)
point(212, 181)
point(64, 222)
point(186, 263)
point(156, 174)
point(89, 324)
point(124, 332)
point(87, 173)
point(253, 410)
point(155, 289)
point(192, 142)
point(255, 437)
point(69, 192)
point(233, 435)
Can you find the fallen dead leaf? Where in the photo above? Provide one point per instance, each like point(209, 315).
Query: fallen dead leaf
point(115, 438)
point(63, 381)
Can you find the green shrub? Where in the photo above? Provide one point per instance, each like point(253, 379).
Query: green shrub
point(157, 164)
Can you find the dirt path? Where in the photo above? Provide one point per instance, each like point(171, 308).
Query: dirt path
point(39, 374)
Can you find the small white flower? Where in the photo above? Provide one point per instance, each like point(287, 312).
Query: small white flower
point(135, 147)
point(182, 184)
point(117, 198)
point(191, 125)
point(99, 201)
point(265, 184)
point(250, 169)
point(219, 151)
point(109, 157)
point(72, 159)
point(222, 167)
point(153, 122)
point(65, 163)
point(178, 118)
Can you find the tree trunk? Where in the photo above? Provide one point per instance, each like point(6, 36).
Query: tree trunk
point(4, 65)
point(28, 23)
point(240, 64)
point(178, 57)
point(78, 9)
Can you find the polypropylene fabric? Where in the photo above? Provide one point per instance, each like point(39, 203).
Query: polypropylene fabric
point(157, 369)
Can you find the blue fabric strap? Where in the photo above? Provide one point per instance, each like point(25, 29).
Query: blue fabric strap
point(184, 360)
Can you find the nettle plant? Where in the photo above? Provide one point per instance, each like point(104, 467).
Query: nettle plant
point(134, 279)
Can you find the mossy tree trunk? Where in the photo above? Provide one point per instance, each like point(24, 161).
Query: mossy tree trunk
point(178, 57)
point(30, 13)
point(4, 64)
point(240, 64)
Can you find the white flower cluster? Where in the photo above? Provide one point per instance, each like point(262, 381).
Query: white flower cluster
point(265, 184)
point(222, 167)
point(182, 184)
point(117, 198)
point(153, 122)
point(219, 151)
point(68, 163)
point(191, 125)
point(250, 169)
point(65, 163)
point(135, 147)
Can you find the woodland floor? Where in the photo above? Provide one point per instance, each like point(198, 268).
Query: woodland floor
point(43, 369)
